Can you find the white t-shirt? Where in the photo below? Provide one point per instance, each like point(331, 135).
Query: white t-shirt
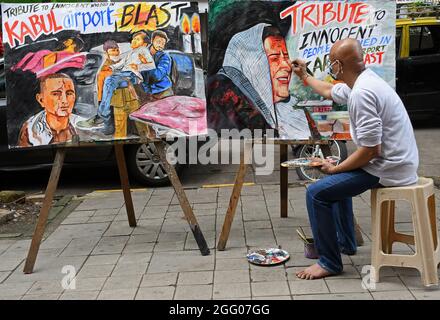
point(378, 117)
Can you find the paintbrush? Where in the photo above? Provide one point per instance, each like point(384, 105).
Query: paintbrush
point(302, 235)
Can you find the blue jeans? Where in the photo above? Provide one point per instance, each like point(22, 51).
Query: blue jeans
point(330, 208)
point(112, 83)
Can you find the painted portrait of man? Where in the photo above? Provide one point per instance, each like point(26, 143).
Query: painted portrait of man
point(55, 123)
point(251, 89)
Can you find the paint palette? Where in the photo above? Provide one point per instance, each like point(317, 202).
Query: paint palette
point(302, 162)
point(309, 162)
point(268, 257)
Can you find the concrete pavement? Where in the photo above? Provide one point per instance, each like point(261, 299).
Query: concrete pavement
point(159, 259)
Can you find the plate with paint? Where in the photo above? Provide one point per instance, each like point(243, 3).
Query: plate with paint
point(302, 162)
point(268, 257)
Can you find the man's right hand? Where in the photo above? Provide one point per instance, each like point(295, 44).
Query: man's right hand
point(300, 68)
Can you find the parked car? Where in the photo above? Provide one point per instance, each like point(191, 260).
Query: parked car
point(418, 59)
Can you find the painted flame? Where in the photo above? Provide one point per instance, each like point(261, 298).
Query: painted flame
point(195, 23)
point(185, 25)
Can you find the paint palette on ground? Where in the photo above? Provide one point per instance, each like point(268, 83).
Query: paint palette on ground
point(77, 72)
point(251, 84)
point(268, 257)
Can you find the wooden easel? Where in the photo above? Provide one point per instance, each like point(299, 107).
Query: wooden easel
point(122, 167)
point(245, 157)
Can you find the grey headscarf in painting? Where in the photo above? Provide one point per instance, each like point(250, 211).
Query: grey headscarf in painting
point(246, 53)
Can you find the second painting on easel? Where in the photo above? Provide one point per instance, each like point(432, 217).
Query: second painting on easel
point(251, 83)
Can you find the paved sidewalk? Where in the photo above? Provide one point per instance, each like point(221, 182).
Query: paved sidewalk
point(159, 259)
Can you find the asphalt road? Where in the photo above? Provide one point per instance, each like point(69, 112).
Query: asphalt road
point(80, 181)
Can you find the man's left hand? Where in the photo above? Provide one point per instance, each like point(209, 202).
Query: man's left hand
point(327, 167)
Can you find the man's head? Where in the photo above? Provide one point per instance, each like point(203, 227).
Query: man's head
point(279, 63)
point(159, 39)
point(346, 59)
point(57, 95)
point(111, 47)
point(71, 44)
point(139, 39)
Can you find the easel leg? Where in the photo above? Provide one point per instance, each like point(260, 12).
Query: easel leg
point(284, 181)
point(238, 185)
point(44, 212)
point(125, 184)
point(359, 238)
point(184, 203)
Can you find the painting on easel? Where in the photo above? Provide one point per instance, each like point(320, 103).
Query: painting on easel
point(84, 72)
point(251, 84)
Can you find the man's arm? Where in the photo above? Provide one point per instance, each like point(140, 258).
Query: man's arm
point(320, 87)
point(360, 158)
point(162, 68)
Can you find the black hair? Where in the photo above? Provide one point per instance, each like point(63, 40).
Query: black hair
point(161, 34)
point(43, 79)
point(143, 33)
point(271, 31)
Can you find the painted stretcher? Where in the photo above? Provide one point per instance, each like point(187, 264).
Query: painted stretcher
point(183, 114)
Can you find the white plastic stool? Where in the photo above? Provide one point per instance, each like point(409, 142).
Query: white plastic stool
point(422, 199)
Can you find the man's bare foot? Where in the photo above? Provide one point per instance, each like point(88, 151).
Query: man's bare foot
point(313, 272)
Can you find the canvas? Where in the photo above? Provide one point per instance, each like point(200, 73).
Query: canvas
point(251, 84)
point(88, 72)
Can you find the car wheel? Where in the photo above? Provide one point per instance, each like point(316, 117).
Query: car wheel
point(337, 149)
point(144, 165)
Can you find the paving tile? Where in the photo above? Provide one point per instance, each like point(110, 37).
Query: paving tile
point(231, 276)
point(122, 282)
point(273, 298)
point(389, 284)
point(231, 290)
point(138, 247)
point(15, 289)
point(155, 293)
point(47, 296)
point(270, 288)
point(4, 275)
point(345, 285)
point(89, 284)
point(413, 283)
point(427, 294)
point(194, 292)
point(46, 287)
point(47, 268)
point(160, 279)
point(110, 245)
point(199, 277)
point(117, 294)
point(135, 268)
point(232, 264)
point(308, 287)
point(258, 275)
point(393, 295)
point(79, 295)
point(9, 264)
point(96, 271)
point(340, 296)
point(102, 259)
point(180, 261)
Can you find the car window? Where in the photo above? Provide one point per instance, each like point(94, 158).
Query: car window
point(398, 41)
point(424, 40)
